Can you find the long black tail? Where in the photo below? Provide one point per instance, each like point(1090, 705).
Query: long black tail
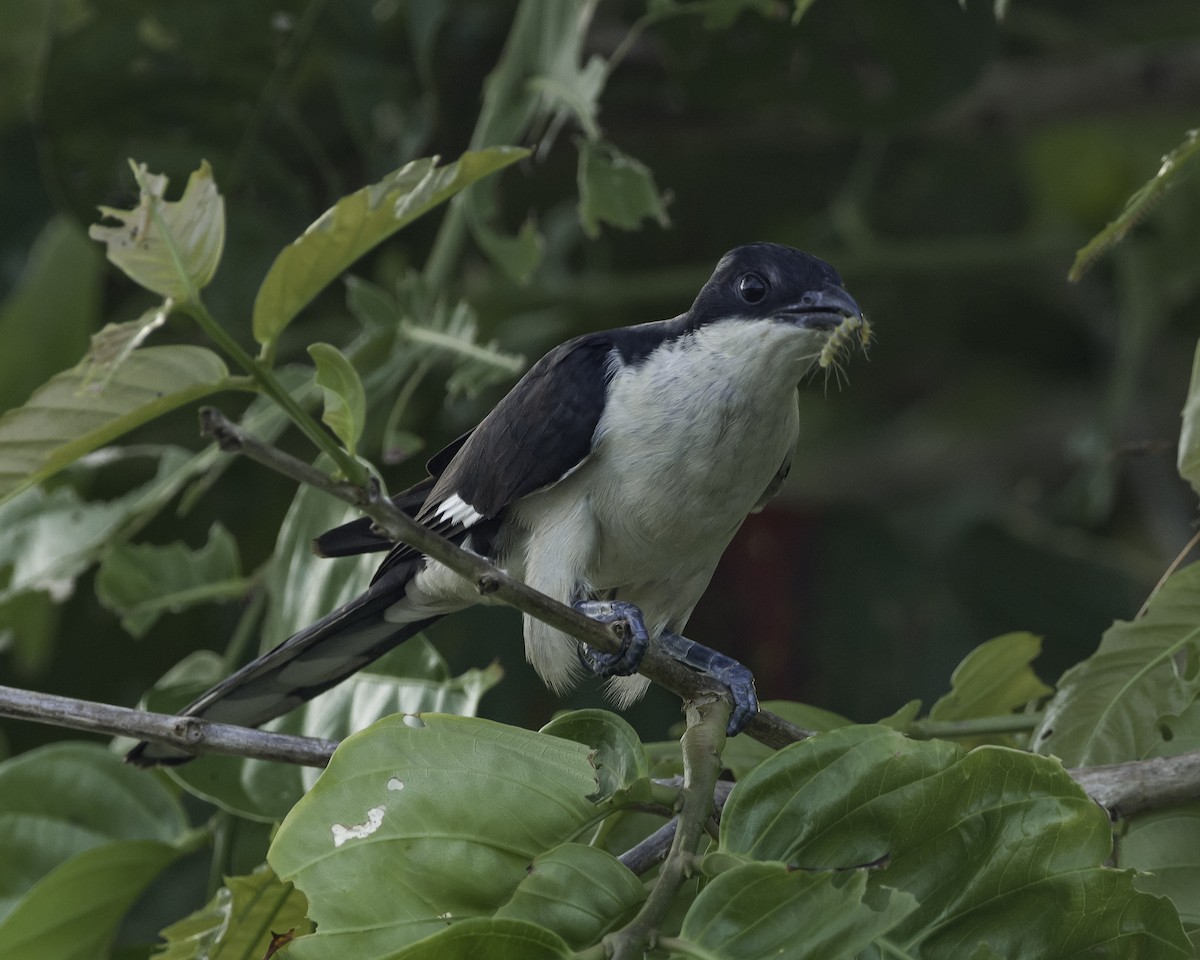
point(304, 665)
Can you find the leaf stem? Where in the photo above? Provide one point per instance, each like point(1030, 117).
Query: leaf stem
point(194, 307)
point(270, 385)
point(972, 727)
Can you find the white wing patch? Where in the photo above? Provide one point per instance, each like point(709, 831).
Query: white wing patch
point(457, 510)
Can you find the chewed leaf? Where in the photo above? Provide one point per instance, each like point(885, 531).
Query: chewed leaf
point(615, 188)
point(141, 582)
point(115, 342)
point(170, 247)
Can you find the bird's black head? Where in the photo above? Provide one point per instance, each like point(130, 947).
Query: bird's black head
point(762, 281)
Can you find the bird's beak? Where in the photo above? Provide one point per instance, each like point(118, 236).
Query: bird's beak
point(821, 309)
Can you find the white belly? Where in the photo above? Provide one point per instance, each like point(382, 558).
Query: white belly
point(649, 514)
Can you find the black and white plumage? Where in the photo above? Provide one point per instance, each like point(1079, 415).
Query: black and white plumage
point(618, 468)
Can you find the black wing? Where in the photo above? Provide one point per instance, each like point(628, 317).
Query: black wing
point(536, 435)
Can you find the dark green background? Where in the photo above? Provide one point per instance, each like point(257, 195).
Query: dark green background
point(1006, 459)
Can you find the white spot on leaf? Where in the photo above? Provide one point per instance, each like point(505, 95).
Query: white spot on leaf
point(395, 784)
point(359, 830)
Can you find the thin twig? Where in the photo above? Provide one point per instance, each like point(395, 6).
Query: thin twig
point(190, 733)
point(490, 581)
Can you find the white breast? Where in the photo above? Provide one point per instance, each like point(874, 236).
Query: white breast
point(688, 442)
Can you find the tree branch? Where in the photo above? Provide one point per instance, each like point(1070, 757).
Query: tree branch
point(1124, 789)
point(702, 743)
point(654, 849)
point(190, 733)
point(490, 581)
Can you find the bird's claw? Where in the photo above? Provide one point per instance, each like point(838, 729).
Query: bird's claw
point(725, 670)
point(633, 645)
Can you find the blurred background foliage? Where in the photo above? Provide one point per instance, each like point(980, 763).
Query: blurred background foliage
point(1006, 461)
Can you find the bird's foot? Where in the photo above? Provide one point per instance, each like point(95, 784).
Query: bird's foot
point(633, 644)
point(725, 670)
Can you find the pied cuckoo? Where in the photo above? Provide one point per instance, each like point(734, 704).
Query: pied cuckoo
point(611, 477)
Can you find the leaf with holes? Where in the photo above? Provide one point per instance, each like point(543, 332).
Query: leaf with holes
point(1111, 706)
point(236, 923)
point(170, 247)
point(451, 809)
point(981, 840)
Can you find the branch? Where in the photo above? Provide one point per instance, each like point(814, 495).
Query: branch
point(702, 743)
point(765, 727)
point(190, 733)
point(1124, 789)
point(654, 849)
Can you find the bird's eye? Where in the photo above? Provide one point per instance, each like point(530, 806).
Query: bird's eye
point(751, 287)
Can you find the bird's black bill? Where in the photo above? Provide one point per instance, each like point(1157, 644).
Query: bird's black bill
point(822, 309)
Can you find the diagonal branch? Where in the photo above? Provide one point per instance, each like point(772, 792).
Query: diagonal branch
point(765, 727)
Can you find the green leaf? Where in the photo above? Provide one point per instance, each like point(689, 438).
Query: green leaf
point(1164, 847)
point(141, 582)
point(115, 342)
point(1110, 707)
point(619, 757)
point(983, 840)
point(82, 834)
point(74, 911)
point(741, 754)
point(1143, 200)
point(579, 892)
point(358, 222)
point(45, 311)
point(51, 538)
point(615, 189)
point(752, 911)
point(431, 327)
point(237, 923)
point(73, 413)
point(993, 679)
point(345, 400)
point(169, 247)
point(451, 810)
point(518, 255)
point(1189, 435)
point(476, 938)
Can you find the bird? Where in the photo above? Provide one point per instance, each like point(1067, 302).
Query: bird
point(611, 477)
